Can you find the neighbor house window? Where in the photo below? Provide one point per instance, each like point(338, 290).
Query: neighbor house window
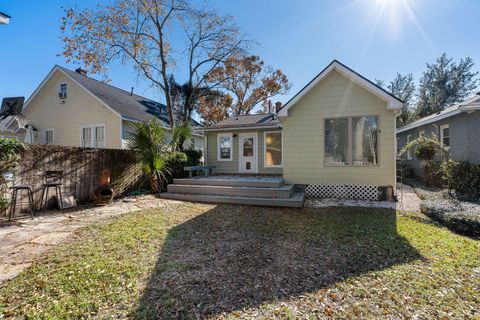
point(409, 151)
point(421, 134)
point(62, 93)
point(273, 149)
point(93, 136)
point(49, 136)
point(445, 135)
point(225, 143)
point(351, 141)
point(398, 145)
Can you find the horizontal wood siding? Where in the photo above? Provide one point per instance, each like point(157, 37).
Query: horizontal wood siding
point(232, 166)
point(303, 134)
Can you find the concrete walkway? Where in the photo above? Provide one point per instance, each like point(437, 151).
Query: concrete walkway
point(23, 241)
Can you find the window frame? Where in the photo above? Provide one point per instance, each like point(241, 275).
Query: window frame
point(219, 135)
point(45, 136)
point(92, 128)
point(265, 149)
point(349, 162)
point(421, 133)
point(409, 151)
point(442, 127)
point(63, 91)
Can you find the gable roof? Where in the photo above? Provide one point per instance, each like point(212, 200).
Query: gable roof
point(470, 104)
point(126, 105)
point(265, 120)
point(393, 103)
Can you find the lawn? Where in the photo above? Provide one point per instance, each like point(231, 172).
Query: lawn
point(197, 261)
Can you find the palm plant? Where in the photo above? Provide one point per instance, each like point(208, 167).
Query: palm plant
point(148, 139)
point(180, 134)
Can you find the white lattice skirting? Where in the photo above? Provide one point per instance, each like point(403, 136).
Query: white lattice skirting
point(342, 191)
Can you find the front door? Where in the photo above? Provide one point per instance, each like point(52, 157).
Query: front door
point(248, 152)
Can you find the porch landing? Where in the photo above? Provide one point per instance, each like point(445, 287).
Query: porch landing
point(250, 190)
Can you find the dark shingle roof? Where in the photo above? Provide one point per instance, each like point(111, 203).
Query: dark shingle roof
point(129, 106)
point(254, 120)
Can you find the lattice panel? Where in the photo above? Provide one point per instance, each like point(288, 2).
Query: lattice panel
point(342, 191)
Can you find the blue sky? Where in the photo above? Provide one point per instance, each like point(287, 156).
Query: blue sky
point(375, 37)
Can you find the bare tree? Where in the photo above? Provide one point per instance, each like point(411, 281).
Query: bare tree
point(138, 32)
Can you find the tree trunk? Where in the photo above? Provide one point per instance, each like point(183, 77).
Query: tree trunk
point(154, 182)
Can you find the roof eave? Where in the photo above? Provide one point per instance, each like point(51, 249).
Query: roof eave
point(393, 103)
point(279, 126)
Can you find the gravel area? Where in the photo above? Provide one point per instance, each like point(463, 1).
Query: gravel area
point(407, 201)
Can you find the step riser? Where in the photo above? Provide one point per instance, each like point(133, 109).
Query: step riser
point(229, 183)
point(233, 200)
point(231, 191)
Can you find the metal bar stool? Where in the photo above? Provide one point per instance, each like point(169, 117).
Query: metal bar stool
point(9, 180)
point(53, 179)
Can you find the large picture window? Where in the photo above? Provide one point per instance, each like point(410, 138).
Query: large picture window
point(224, 143)
point(273, 149)
point(351, 141)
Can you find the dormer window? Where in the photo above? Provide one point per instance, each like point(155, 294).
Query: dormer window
point(62, 93)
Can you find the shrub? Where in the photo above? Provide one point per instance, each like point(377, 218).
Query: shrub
point(463, 177)
point(10, 153)
point(175, 163)
point(194, 157)
point(462, 217)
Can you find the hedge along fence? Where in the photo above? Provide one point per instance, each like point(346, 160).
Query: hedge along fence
point(81, 169)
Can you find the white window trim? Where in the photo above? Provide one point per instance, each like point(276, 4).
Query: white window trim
point(421, 133)
point(265, 149)
point(45, 136)
point(219, 135)
point(409, 151)
point(93, 126)
point(445, 126)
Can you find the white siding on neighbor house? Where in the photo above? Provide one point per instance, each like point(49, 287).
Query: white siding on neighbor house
point(303, 134)
point(80, 109)
point(232, 167)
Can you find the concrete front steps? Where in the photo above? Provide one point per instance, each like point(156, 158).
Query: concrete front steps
point(262, 191)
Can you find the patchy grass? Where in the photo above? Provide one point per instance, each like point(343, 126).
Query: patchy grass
point(196, 261)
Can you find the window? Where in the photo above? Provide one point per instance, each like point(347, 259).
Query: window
point(398, 145)
point(49, 136)
point(445, 135)
point(351, 141)
point(421, 134)
point(62, 93)
point(409, 151)
point(93, 136)
point(224, 142)
point(273, 149)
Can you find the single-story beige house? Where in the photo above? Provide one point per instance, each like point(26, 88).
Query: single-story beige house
point(71, 109)
point(337, 135)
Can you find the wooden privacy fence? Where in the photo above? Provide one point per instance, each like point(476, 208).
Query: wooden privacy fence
point(81, 169)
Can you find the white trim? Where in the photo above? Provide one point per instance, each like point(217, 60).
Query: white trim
point(50, 74)
point(428, 121)
point(45, 136)
point(442, 127)
point(255, 151)
point(265, 149)
point(392, 103)
point(243, 128)
point(409, 151)
point(93, 126)
point(465, 106)
point(218, 146)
